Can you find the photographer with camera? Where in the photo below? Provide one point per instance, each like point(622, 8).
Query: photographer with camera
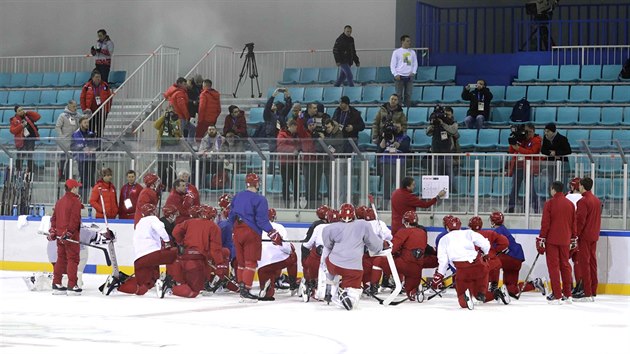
point(523, 141)
point(444, 132)
point(393, 141)
point(275, 119)
point(556, 147)
point(350, 121)
point(169, 133)
point(390, 112)
point(479, 97)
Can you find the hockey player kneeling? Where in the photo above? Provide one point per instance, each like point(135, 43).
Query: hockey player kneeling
point(344, 243)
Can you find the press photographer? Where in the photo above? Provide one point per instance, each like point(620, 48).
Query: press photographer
point(390, 112)
point(444, 132)
point(528, 144)
point(393, 142)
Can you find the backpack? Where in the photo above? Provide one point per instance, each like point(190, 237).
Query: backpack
point(625, 70)
point(521, 112)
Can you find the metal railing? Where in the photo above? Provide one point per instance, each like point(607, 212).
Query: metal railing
point(590, 55)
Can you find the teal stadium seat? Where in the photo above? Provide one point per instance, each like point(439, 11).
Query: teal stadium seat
point(372, 94)
point(389, 90)
point(63, 96)
point(575, 137)
point(485, 186)
point(426, 73)
point(488, 139)
point(459, 113)
point(548, 73)
point(623, 136)
point(501, 186)
point(50, 80)
point(589, 115)
point(602, 187)
point(362, 111)
point(504, 134)
point(421, 140)
point(452, 94)
point(567, 116)
point(445, 74)
point(5, 80)
point(626, 116)
point(331, 110)
point(366, 75)
point(255, 116)
point(498, 93)
point(462, 186)
point(370, 115)
point(621, 94)
point(416, 94)
point(580, 94)
point(4, 96)
point(558, 94)
point(76, 96)
point(432, 94)
point(18, 80)
point(116, 78)
point(537, 94)
point(500, 115)
point(66, 79)
point(569, 73)
point(600, 139)
point(290, 76)
point(308, 76)
point(611, 116)
point(48, 98)
point(297, 94)
point(353, 93)
point(47, 117)
point(616, 191)
point(34, 79)
point(610, 166)
point(544, 115)
point(81, 77)
point(332, 94)
point(492, 163)
point(610, 73)
point(527, 73)
point(515, 93)
point(417, 116)
point(31, 97)
point(467, 139)
point(365, 140)
point(274, 184)
point(384, 75)
point(601, 94)
point(313, 94)
point(328, 75)
point(591, 73)
point(15, 98)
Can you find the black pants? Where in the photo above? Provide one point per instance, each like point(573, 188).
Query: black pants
point(87, 173)
point(104, 70)
point(97, 123)
point(312, 172)
point(29, 145)
point(289, 173)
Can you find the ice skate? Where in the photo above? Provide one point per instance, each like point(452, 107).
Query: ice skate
point(469, 300)
point(246, 296)
point(552, 300)
point(539, 283)
point(501, 295)
point(58, 289)
point(75, 291)
point(567, 300)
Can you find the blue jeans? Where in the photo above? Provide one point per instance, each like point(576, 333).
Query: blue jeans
point(405, 84)
point(476, 123)
point(344, 74)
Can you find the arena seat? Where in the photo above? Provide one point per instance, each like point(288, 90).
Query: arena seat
point(50, 79)
point(370, 115)
point(580, 94)
point(47, 117)
point(575, 137)
point(515, 93)
point(626, 116)
point(4, 96)
point(297, 93)
point(611, 116)
point(623, 136)
point(308, 76)
point(34, 79)
point(589, 115)
point(459, 114)
point(601, 94)
point(389, 90)
point(537, 94)
point(426, 73)
point(492, 163)
point(467, 138)
point(420, 140)
point(361, 110)
point(81, 77)
point(416, 95)
point(452, 94)
point(313, 94)
point(255, 116)
point(610, 73)
point(488, 139)
point(5, 80)
point(485, 186)
point(498, 93)
point(504, 134)
point(384, 75)
point(569, 73)
point(63, 96)
point(544, 115)
point(558, 94)
point(445, 74)
point(432, 94)
point(332, 94)
point(15, 98)
point(548, 73)
point(366, 75)
point(461, 185)
point(567, 115)
point(501, 186)
point(527, 73)
point(327, 75)
point(621, 94)
point(371, 94)
point(600, 139)
point(591, 73)
point(417, 115)
point(353, 93)
point(500, 116)
point(66, 79)
point(18, 80)
point(290, 76)
point(48, 98)
point(616, 191)
point(31, 97)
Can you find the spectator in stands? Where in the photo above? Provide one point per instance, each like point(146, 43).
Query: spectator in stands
point(177, 96)
point(84, 144)
point(275, 119)
point(102, 53)
point(67, 123)
point(25, 133)
point(443, 131)
point(345, 54)
point(208, 151)
point(104, 187)
point(193, 105)
point(296, 112)
point(531, 145)
point(313, 165)
point(94, 95)
point(390, 113)
point(129, 197)
point(235, 121)
point(169, 134)
point(479, 109)
point(557, 148)
point(403, 65)
point(349, 120)
point(232, 143)
point(289, 146)
point(392, 143)
point(333, 141)
point(209, 109)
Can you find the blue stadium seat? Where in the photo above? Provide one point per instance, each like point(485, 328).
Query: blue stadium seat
point(63, 96)
point(623, 136)
point(353, 93)
point(445, 74)
point(332, 94)
point(558, 94)
point(274, 184)
point(616, 191)
point(57, 113)
point(416, 94)
point(601, 94)
point(548, 73)
point(459, 114)
point(31, 97)
point(426, 73)
point(610, 73)
point(47, 117)
point(76, 96)
point(389, 90)
point(488, 139)
point(5, 79)
point(290, 76)
point(5, 136)
point(44, 133)
point(375, 185)
point(567, 115)
point(255, 115)
point(253, 162)
point(15, 98)
point(591, 73)
point(370, 115)
point(328, 75)
point(366, 75)
point(297, 94)
point(34, 79)
point(384, 75)
point(417, 115)
point(239, 182)
point(621, 94)
point(600, 139)
point(18, 80)
point(462, 186)
point(81, 77)
point(420, 140)
point(544, 115)
point(501, 186)
point(500, 115)
point(308, 76)
point(331, 110)
point(66, 79)
point(467, 138)
point(50, 80)
point(4, 96)
point(116, 78)
point(589, 115)
point(432, 94)
point(626, 116)
point(372, 94)
point(537, 94)
point(498, 93)
point(313, 94)
point(611, 116)
point(575, 137)
point(527, 73)
point(569, 73)
point(492, 163)
point(580, 94)
point(610, 166)
point(602, 187)
point(515, 93)
point(365, 140)
point(485, 186)
point(452, 94)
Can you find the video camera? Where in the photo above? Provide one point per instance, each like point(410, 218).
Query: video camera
point(389, 130)
point(541, 8)
point(438, 113)
point(518, 134)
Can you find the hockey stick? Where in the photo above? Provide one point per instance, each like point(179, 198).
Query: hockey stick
point(392, 303)
point(439, 293)
point(107, 259)
point(520, 290)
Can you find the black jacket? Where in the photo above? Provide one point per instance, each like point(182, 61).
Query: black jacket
point(560, 145)
point(352, 117)
point(344, 50)
point(475, 96)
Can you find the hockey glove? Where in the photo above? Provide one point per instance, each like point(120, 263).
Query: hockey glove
point(540, 245)
point(221, 270)
point(573, 246)
point(438, 281)
point(275, 237)
point(51, 234)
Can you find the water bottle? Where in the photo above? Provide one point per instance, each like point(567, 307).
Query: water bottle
point(89, 211)
point(42, 210)
point(31, 210)
point(36, 210)
point(15, 211)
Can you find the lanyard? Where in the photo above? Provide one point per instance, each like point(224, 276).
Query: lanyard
point(97, 90)
point(344, 114)
point(480, 96)
point(127, 188)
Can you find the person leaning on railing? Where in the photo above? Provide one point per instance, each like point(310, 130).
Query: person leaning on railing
point(444, 133)
point(529, 145)
point(25, 134)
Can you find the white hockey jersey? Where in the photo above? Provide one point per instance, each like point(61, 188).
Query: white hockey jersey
point(148, 236)
point(272, 253)
point(316, 238)
point(459, 246)
point(381, 230)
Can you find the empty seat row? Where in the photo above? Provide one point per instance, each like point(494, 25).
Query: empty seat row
point(54, 79)
point(579, 94)
point(364, 75)
point(567, 73)
point(38, 97)
point(610, 116)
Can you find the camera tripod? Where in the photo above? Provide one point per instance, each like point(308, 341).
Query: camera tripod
point(250, 69)
point(540, 33)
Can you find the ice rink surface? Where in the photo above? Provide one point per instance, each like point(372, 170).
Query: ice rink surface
point(38, 322)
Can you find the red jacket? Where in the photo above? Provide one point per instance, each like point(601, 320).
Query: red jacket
point(287, 143)
point(209, 106)
point(109, 199)
point(190, 188)
point(403, 201)
point(589, 217)
point(406, 240)
point(239, 125)
point(202, 236)
point(498, 242)
point(67, 215)
point(131, 192)
point(178, 98)
point(91, 91)
point(182, 203)
point(532, 147)
point(147, 196)
point(306, 139)
point(17, 129)
point(558, 223)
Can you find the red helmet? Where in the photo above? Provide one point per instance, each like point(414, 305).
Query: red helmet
point(150, 179)
point(194, 211)
point(446, 219)
point(148, 209)
point(207, 212)
point(575, 184)
point(370, 214)
point(346, 212)
point(272, 214)
point(454, 224)
point(332, 216)
point(226, 212)
point(321, 211)
point(224, 201)
point(360, 211)
point(252, 180)
point(169, 210)
point(475, 223)
point(410, 218)
point(496, 218)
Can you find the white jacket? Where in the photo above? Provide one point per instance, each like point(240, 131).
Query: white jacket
point(404, 62)
point(148, 236)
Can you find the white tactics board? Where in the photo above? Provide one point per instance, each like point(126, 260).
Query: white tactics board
point(432, 185)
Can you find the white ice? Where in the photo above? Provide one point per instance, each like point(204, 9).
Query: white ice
point(38, 322)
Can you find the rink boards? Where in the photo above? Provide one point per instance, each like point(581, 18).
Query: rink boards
point(24, 249)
